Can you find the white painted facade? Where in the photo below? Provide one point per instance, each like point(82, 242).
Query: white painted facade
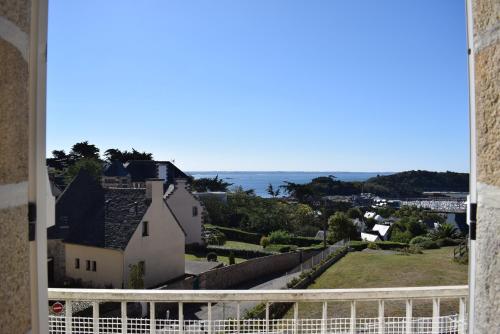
point(187, 209)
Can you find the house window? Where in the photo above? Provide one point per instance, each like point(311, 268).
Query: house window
point(94, 266)
point(145, 229)
point(88, 265)
point(195, 211)
point(77, 263)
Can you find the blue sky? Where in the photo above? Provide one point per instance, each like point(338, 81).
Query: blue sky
point(263, 84)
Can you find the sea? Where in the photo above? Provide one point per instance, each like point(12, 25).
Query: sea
point(259, 181)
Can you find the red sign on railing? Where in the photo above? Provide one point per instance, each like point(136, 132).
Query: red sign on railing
point(57, 307)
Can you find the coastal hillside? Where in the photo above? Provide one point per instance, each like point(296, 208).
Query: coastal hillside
point(413, 183)
point(403, 184)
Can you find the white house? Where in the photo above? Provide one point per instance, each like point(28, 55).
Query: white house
point(383, 230)
point(122, 227)
point(187, 209)
point(370, 237)
point(369, 215)
point(379, 218)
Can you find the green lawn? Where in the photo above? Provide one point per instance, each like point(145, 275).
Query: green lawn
point(387, 269)
point(223, 259)
point(242, 245)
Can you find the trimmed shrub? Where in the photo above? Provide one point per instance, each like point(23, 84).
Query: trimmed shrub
point(429, 245)
point(212, 257)
point(280, 237)
point(391, 245)
point(373, 245)
point(231, 258)
point(264, 242)
point(419, 239)
point(448, 242)
point(242, 253)
point(304, 241)
point(281, 248)
point(213, 236)
point(358, 245)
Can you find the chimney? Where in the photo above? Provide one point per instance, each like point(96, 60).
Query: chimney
point(154, 189)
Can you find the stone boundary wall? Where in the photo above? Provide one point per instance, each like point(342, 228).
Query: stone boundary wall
point(236, 274)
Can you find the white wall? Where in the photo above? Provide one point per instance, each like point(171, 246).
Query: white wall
point(163, 250)
point(109, 265)
point(181, 201)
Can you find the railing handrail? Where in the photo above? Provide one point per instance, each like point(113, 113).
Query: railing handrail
point(311, 295)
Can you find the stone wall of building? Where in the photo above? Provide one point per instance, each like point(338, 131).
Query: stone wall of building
point(14, 111)
point(486, 17)
point(55, 250)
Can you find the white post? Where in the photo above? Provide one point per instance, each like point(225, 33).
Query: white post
point(323, 317)
point(181, 318)
point(124, 317)
point(381, 320)
point(69, 317)
point(353, 317)
point(461, 316)
point(435, 315)
point(95, 316)
point(238, 318)
point(209, 318)
point(267, 317)
point(409, 316)
point(152, 318)
point(295, 317)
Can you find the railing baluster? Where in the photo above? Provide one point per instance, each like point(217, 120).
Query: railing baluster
point(461, 316)
point(267, 317)
point(381, 314)
point(435, 315)
point(209, 317)
point(95, 316)
point(323, 317)
point(181, 318)
point(296, 317)
point(353, 317)
point(124, 317)
point(409, 316)
point(152, 318)
point(69, 316)
point(238, 318)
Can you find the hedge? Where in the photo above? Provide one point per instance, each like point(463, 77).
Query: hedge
point(281, 248)
point(238, 235)
point(304, 241)
point(242, 253)
point(360, 245)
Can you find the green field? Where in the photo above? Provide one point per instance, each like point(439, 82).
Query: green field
point(372, 269)
point(223, 259)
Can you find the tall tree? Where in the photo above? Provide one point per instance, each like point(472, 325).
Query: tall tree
point(113, 154)
point(84, 150)
point(210, 184)
point(340, 227)
point(271, 191)
point(92, 166)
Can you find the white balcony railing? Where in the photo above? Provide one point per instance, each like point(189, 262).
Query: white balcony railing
point(68, 322)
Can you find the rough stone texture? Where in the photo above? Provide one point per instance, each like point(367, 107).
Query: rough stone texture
point(486, 15)
point(16, 12)
point(13, 115)
point(14, 273)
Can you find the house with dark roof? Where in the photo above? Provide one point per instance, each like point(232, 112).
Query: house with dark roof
point(101, 232)
point(141, 170)
point(116, 176)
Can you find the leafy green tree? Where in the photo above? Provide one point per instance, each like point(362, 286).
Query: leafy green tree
point(354, 213)
point(92, 166)
point(340, 227)
point(279, 237)
point(210, 184)
point(84, 150)
point(136, 276)
point(273, 192)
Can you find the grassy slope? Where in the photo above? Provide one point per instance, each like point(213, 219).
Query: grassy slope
point(242, 245)
point(380, 269)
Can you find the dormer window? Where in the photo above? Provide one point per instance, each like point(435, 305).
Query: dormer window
point(145, 229)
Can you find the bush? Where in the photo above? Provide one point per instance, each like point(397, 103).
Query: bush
point(415, 249)
point(429, 244)
point(391, 245)
point(213, 236)
point(400, 236)
point(419, 239)
point(264, 242)
point(281, 248)
point(242, 253)
point(373, 245)
point(212, 257)
point(231, 258)
point(279, 237)
point(448, 242)
point(358, 245)
point(304, 241)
